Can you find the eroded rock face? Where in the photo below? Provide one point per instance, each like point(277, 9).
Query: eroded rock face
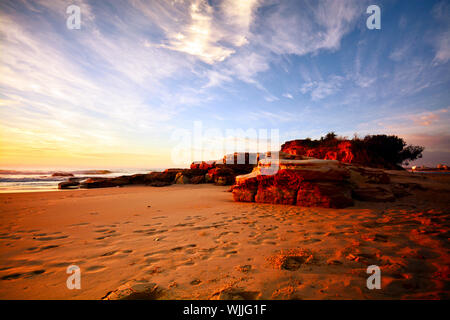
point(314, 183)
point(343, 151)
point(221, 175)
point(324, 194)
point(302, 182)
point(280, 188)
point(245, 188)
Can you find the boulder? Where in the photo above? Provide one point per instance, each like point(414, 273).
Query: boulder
point(137, 179)
point(222, 175)
point(120, 181)
point(203, 165)
point(245, 188)
point(207, 165)
point(68, 185)
point(166, 176)
point(208, 178)
point(180, 178)
point(97, 183)
point(223, 181)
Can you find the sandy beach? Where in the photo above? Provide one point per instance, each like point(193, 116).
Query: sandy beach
point(194, 242)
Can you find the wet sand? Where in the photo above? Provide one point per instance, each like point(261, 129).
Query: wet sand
point(194, 242)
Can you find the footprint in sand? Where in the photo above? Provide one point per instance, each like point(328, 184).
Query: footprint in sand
point(79, 224)
point(25, 275)
point(95, 268)
point(50, 238)
point(310, 241)
point(183, 247)
point(110, 253)
point(107, 236)
point(10, 237)
point(195, 282)
point(160, 217)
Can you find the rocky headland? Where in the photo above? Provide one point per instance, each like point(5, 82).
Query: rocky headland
point(331, 172)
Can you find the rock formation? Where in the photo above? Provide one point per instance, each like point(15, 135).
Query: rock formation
point(199, 172)
point(329, 173)
point(376, 151)
point(315, 183)
point(342, 151)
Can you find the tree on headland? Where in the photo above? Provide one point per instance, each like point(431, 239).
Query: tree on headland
point(330, 136)
point(390, 149)
point(378, 151)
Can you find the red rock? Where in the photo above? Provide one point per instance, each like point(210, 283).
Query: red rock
point(221, 175)
point(244, 194)
point(203, 165)
point(307, 183)
point(181, 178)
point(245, 188)
point(324, 194)
point(195, 165)
point(343, 151)
point(280, 188)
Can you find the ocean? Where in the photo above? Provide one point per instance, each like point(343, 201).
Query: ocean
point(39, 179)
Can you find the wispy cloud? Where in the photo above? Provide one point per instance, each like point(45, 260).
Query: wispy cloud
point(441, 12)
point(322, 89)
point(315, 26)
point(136, 70)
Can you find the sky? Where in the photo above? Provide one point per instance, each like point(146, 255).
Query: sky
point(132, 84)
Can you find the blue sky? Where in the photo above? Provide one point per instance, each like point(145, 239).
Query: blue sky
point(114, 92)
